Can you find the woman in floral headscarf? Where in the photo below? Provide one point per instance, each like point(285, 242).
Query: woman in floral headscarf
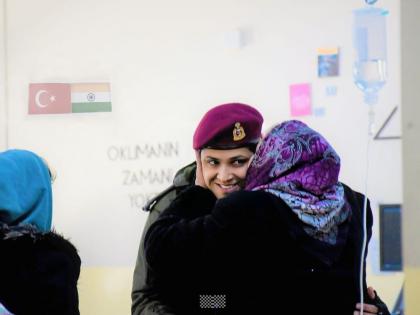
point(298, 165)
point(38, 268)
point(289, 244)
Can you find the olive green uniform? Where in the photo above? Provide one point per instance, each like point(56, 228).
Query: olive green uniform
point(145, 301)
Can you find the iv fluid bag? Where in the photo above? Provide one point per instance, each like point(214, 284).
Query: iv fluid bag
point(369, 34)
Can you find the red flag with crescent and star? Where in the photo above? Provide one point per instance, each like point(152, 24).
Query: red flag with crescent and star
point(49, 98)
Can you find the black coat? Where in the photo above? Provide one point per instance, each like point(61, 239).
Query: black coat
point(249, 252)
point(38, 273)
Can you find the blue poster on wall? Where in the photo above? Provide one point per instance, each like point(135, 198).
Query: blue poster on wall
point(328, 62)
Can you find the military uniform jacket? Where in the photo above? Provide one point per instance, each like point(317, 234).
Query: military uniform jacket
point(145, 297)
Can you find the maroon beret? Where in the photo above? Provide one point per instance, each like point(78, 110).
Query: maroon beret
point(228, 126)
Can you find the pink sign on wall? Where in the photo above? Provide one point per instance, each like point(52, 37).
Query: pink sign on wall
point(300, 99)
point(49, 98)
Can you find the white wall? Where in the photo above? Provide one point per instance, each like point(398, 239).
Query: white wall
point(410, 27)
point(3, 76)
point(168, 62)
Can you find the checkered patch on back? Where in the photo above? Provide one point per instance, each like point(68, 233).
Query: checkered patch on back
point(212, 301)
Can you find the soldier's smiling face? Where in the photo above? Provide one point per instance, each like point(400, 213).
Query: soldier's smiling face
point(224, 171)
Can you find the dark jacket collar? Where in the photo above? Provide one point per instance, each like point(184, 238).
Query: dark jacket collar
point(183, 178)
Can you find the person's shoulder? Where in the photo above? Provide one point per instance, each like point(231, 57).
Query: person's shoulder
point(251, 209)
point(241, 195)
point(28, 236)
point(57, 241)
point(185, 176)
point(26, 243)
point(353, 197)
point(55, 251)
point(356, 202)
point(250, 199)
point(183, 179)
point(349, 190)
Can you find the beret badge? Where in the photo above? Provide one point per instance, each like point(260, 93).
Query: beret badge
point(238, 132)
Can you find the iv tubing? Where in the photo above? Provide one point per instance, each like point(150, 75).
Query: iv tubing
point(361, 278)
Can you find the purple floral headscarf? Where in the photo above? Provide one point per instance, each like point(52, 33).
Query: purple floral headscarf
point(298, 165)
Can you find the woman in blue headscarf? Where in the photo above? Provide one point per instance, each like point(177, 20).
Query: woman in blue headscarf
point(25, 190)
point(39, 269)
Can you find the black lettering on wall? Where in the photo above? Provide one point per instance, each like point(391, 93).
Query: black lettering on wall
point(135, 152)
point(147, 177)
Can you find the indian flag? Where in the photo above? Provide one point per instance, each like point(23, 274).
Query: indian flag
point(91, 97)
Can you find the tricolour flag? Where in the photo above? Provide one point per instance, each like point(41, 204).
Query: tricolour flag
point(49, 98)
point(91, 97)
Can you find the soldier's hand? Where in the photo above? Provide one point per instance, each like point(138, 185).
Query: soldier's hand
point(370, 309)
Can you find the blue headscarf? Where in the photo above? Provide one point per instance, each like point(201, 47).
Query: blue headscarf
point(25, 190)
point(4, 311)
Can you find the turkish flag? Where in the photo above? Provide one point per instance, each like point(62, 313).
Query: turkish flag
point(49, 98)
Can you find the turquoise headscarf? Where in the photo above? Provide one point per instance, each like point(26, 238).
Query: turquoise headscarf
point(4, 311)
point(25, 190)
